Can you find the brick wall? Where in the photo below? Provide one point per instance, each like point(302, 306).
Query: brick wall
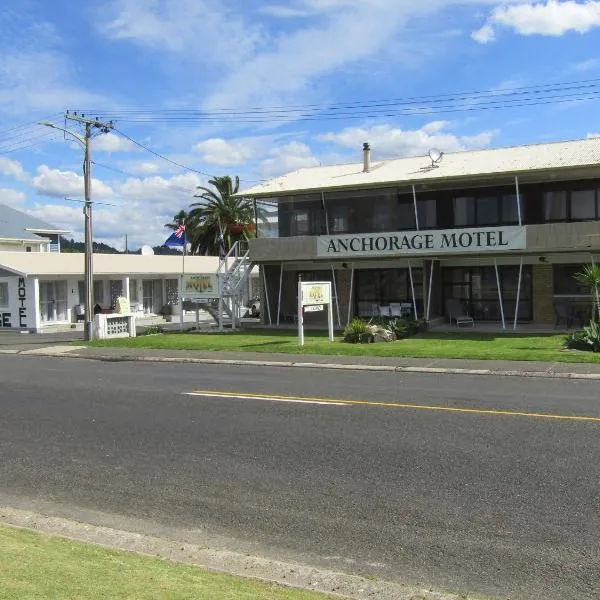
point(543, 294)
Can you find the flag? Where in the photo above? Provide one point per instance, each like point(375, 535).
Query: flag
point(177, 238)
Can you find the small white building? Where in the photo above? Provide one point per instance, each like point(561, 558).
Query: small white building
point(41, 289)
point(40, 286)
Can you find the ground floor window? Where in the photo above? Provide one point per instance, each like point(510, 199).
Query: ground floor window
point(382, 287)
point(4, 294)
point(53, 301)
point(477, 289)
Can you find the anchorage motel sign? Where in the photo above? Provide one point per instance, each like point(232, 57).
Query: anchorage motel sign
point(449, 241)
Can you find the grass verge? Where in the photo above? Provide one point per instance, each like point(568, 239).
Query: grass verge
point(36, 566)
point(487, 346)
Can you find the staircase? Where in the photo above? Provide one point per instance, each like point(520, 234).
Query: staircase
point(233, 273)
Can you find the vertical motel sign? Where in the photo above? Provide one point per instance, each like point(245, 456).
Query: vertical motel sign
point(313, 296)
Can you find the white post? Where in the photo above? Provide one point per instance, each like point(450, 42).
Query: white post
point(126, 287)
point(300, 315)
point(414, 191)
point(518, 200)
point(337, 303)
point(350, 297)
point(330, 316)
point(279, 297)
point(412, 290)
point(518, 293)
point(181, 283)
point(197, 316)
point(181, 302)
point(324, 207)
point(597, 293)
point(499, 294)
point(429, 291)
point(267, 296)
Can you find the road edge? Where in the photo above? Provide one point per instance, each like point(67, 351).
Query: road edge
point(67, 352)
point(295, 575)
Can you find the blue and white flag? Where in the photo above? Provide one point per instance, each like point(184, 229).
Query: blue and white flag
point(177, 238)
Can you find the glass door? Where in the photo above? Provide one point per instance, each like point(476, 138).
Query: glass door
point(148, 297)
point(53, 301)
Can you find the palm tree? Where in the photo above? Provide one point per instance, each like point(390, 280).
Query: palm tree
point(179, 218)
point(220, 213)
point(590, 276)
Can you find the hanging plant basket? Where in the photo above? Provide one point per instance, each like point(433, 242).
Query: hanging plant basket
point(251, 228)
point(236, 228)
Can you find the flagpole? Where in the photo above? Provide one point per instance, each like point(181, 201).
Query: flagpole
point(181, 278)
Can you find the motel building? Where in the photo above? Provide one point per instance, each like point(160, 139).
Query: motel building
point(498, 233)
point(42, 288)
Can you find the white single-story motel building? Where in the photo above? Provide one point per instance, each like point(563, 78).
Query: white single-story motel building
point(41, 287)
point(501, 231)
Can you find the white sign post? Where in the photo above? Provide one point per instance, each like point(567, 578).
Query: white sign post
point(312, 297)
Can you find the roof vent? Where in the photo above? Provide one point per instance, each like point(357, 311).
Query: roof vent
point(366, 157)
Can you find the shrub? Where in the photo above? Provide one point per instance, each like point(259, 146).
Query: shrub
point(153, 330)
point(587, 339)
point(355, 331)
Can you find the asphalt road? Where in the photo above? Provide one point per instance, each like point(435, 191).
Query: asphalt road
point(471, 500)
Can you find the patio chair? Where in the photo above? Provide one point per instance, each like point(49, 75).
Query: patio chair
point(395, 309)
point(458, 314)
point(384, 311)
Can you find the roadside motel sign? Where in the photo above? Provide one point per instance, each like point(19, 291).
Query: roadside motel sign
point(200, 286)
point(313, 296)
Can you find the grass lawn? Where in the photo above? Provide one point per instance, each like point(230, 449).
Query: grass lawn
point(461, 344)
point(42, 567)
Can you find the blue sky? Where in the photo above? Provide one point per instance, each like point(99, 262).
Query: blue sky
point(131, 58)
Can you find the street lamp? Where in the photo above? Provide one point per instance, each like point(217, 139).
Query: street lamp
point(87, 211)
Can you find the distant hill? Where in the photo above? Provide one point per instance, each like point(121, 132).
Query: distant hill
point(100, 248)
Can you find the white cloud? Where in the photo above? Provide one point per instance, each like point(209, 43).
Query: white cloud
point(41, 81)
point(111, 142)
point(485, 34)
point(53, 182)
point(593, 135)
point(289, 157)
point(12, 168)
point(217, 151)
point(591, 64)
point(206, 30)
point(551, 18)
point(388, 141)
point(160, 194)
point(142, 207)
point(11, 197)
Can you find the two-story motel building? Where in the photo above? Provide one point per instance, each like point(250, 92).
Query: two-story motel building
point(502, 230)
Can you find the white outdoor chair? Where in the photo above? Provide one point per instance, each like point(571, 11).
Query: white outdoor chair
point(384, 311)
point(395, 309)
point(457, 313)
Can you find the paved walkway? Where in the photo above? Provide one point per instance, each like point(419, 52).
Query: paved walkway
point(62, 345)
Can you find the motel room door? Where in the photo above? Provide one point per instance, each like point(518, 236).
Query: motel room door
point(53, 301)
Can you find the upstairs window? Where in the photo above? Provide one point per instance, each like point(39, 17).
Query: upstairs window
point(4, 294)
point(574, 205)
point(486, 211)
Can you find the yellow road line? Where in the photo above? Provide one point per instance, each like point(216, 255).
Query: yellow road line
point(312, 400)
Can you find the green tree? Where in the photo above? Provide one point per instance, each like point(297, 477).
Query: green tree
point(590, 276)
point(181, 216)
point(218, 211)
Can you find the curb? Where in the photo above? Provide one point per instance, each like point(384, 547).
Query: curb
point(315, 365)
point(289, 574)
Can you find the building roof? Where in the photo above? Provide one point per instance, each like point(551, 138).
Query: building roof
point(44, 264)
point(17, 225)
point(453, 165)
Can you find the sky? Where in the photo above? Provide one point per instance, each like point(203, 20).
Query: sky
point(259, 88)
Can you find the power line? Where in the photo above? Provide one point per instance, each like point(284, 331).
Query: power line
point(501, 98)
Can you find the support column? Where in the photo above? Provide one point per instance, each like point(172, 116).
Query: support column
point(429, 290)
point(279, 295)
point(518, 293)
point(350, 296)
point(266, 295)
point(412, 291)
point(543, 293)
point(499, 294)
point(126, 287)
